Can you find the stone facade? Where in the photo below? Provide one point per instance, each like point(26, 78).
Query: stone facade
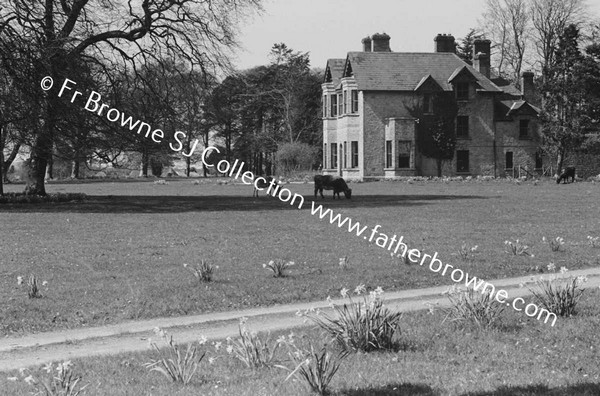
point(370, 103)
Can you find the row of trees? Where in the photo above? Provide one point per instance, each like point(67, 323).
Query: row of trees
point(157, 62)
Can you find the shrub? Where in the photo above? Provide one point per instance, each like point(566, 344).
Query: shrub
point(294, 157)
point(517, 248)
point(555, 244)
point(278, 267)
point(316, 367)
point(250, 349)
point(558, 294)
point(363, 326)
point(470, 307)
point(202, 272)
point(172, 363)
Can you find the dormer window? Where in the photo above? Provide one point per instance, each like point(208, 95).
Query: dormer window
point(462, 91)
point(427, 104)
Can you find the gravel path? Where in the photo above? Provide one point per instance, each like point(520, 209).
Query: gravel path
point(38, 349)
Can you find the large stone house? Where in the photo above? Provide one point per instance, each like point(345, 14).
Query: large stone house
point(369, 130)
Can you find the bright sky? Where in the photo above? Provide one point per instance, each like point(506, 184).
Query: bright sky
point(331, 28)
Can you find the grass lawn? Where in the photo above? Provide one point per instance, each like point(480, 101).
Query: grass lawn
point(119, 255)
point(520, 357)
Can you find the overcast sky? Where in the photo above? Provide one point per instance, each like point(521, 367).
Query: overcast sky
point(331, 28)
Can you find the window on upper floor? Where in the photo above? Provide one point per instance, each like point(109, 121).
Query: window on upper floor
point(324, 155)
point(354, 98)
point(345, 102)
point(345, 155)
point(334, 106)
point(325, 107)
point(462, 127)
point(462, 91)
point(427, 104)
point(524, 129)
point(340, 104)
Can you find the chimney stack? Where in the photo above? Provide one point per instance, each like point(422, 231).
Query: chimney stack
point(381, 42)
point(481, 56)
point(366, 42)
point(444, 43)
point(527, 86)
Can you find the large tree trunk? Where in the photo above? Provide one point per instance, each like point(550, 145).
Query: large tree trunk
point(439, 167)
point(41, 151)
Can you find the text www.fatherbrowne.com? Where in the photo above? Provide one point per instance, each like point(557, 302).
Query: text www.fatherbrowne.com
point(395, 244)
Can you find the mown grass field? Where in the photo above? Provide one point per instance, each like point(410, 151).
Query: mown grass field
point(521, 357)
point(119, 255)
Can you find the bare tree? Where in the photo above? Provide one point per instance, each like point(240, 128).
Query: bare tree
point(62, 32)
point(550, 18)
point(506, 23)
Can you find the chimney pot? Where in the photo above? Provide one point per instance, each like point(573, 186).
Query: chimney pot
point(444, 43)
point(528, 86)
point(481, 56)
point(381, 42)
point(367, 44)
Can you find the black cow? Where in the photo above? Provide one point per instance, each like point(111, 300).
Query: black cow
point(328, 182)
point(567, 172)
point(263, 184)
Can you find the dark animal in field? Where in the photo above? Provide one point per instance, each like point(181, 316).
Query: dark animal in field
point(261, 183)
point(328, 182)
point(567, 172)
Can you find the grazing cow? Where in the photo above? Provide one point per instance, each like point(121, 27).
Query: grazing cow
point(567, 172)
point(328, 182)
point(263, 182)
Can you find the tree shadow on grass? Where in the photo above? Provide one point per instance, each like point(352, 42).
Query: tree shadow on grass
point(202, 203)
point(393, 390)
point(588, 389)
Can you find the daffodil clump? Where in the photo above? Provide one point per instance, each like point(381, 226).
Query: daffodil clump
point(62, 380)
point(558, 293)
point(555, 244)
point(365, 325)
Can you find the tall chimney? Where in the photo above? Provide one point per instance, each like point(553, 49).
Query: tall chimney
point(527, 86)
point(444, 43)
point(381, 42)
point(366, 42)
point(481, 56)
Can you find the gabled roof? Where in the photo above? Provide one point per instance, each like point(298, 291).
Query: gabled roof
point(334, 70)
point(429, 83)
point(403, 71)
point(462, 72)
point(507, 108)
